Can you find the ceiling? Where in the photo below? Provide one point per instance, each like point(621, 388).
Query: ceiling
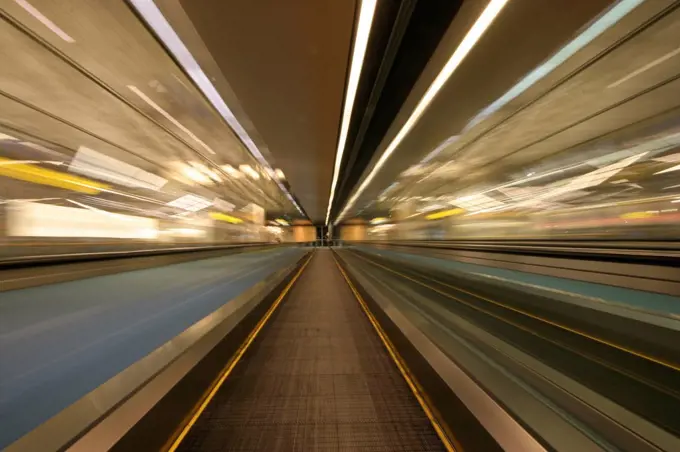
point(285, 63)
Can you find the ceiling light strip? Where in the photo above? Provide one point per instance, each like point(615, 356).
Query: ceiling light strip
point(155, 19)
point(471, 38)
point(366, 14)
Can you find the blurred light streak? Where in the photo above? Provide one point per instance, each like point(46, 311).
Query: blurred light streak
point(444, 214)
point(169, 117)
point(155, 19)
point(101, 211)
point(7, 201)
point(668, 170)
point(363, 33)
point(226, 218)
point(186, 232)
point(246, 169)
point(42, 176)
point(195, 175)
point(30, 9)
point(281, 221)
point(606, 21)
point(379, 220)
point(646, 67)
point(230, 170)
point(46, 220)
point(95, 164)
point(471, 38)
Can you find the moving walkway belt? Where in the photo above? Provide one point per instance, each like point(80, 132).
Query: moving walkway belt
point(315, 377)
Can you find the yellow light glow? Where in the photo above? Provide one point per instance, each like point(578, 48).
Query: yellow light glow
point(379, 220)
point(224, 217)
point(281, 221)
point(444, 214)
point(42, 176)
point(233, 172)
point(247, 169)
point(637, 215)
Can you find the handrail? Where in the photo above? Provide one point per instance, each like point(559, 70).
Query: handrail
point(657, 253)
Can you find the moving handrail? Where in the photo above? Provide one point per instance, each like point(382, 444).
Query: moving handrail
point(24, 261)
point(645, 270)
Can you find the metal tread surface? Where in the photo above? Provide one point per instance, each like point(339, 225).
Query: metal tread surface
point(316, 378)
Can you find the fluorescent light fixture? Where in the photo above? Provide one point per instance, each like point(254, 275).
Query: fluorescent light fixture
point(30, 9)
point(155, 19)
point(366, 14)
point(169, 117)
point(471, 38)
point(190, 203)
point(206, 171)
point(247, 169)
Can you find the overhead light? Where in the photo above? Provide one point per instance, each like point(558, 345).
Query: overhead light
point(444, 214)
point(233, 172)
point(95, 164)
point(379, 220)
point(195, 174)
point(471, 38)
point(366, 14)
point(246, 169)
point(279, 174)
point(30, 9)
point(281, 221)
point(190, 203)
point(155, 19)
point(206, 171)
